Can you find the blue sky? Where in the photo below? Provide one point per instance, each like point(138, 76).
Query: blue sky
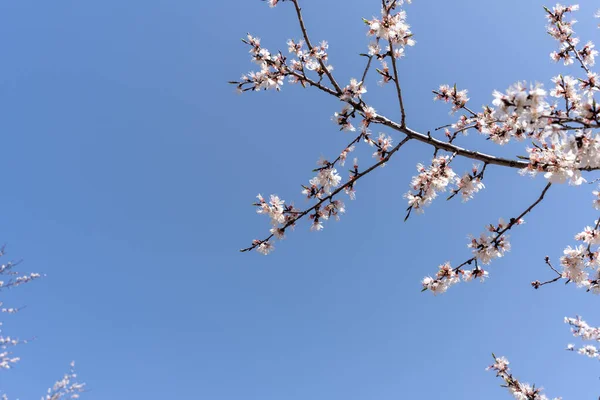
point(130, 167)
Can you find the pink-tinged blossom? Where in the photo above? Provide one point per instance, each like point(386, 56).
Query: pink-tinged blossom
point(500, 365)
point(309, 59)
point(447, 277)
point(343, 118)
point(385, 74)
point(295, 47)
point(444, 278)
point(591, 85)
point(374, 48)
point(487, 247)
point(476, 273)
point(264, 247)
point(353, 91)
point(519, 112)
point(274, 208)
point(279, 233)
point(384, 144)
point(562, 160)
point(449, 94)
point(324, 183)
point(334, 209)
point(565, 87)
point(589, 235)
point(392, 27)
point(588, 54)
point(573, 263)
point(344, 154)
point(468, 184)
point(559, 27)
point(329, 179)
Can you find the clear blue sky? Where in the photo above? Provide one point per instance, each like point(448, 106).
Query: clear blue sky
point(129, 170)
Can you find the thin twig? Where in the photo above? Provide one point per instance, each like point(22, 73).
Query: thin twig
point(397, 82)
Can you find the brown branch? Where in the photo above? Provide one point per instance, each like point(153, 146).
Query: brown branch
point(397, 82)
point(449, 147)
point(538, 284)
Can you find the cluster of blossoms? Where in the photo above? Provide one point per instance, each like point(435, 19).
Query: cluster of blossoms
point(272, 71)
point(519, 390)
point(487, 247)
point(581, 329)
point(343, 117)
point(518, 112)
point(334, 208)
point(312, 59)
point(447, 276)
point(66, 388)
point(429, 182)
point(449, 94)
point(281, 215)
point(275, 67)
point(391, 27)
point(577, 262)
point(324, 182)
point(384, 144)
point(561, 29)
point(353, 91)
point(558, 162)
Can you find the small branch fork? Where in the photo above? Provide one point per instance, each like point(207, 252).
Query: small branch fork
point(538, 284)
